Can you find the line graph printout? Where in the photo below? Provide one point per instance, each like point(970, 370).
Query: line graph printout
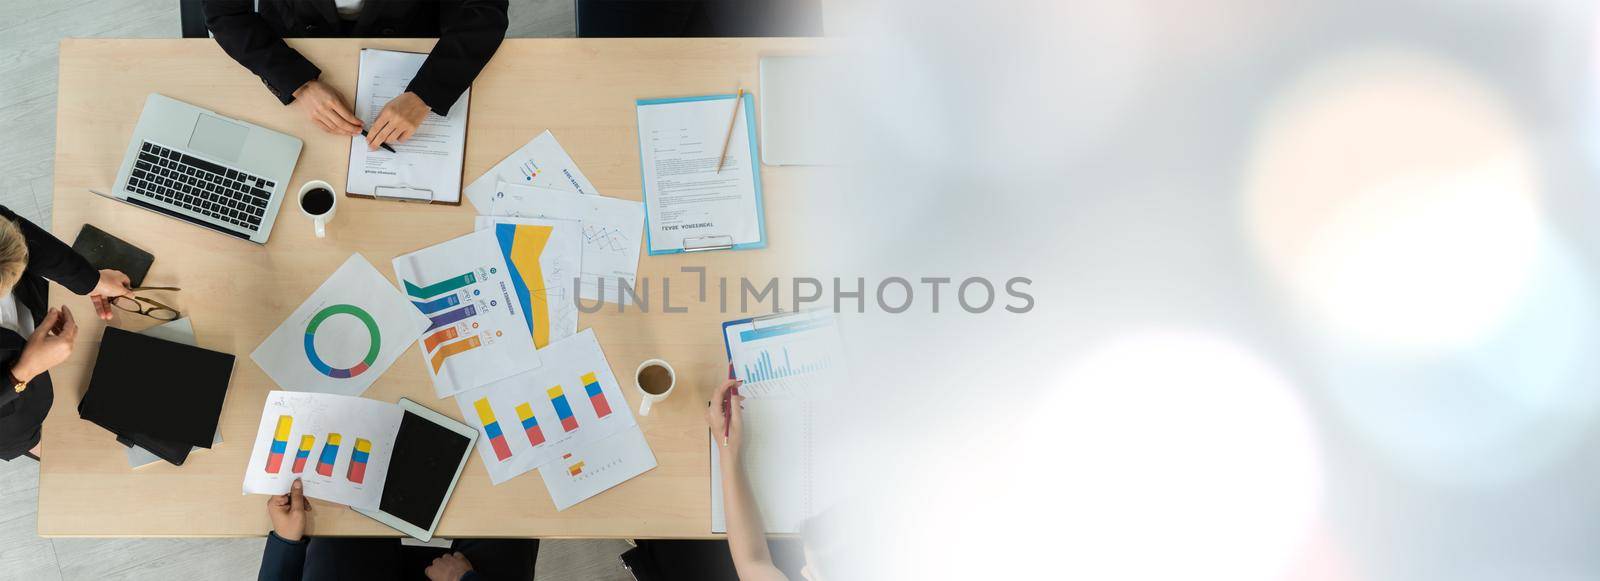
point(477, 331)
point(353, 437)
point(611, 232)
point(544, 258)
point(532, 418)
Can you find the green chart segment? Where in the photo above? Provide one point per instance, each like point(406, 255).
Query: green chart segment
point(440, 287)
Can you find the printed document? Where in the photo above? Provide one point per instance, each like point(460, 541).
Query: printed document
point(689, 203)
point(611, 230)
point(427, 167)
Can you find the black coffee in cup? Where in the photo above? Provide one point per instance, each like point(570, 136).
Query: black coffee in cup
point(317, 201)
point(655, 379)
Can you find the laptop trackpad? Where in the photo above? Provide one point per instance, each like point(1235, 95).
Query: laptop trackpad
point(218, 138)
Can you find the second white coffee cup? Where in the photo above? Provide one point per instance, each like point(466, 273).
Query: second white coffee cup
point(655, 380)
point(318, 202)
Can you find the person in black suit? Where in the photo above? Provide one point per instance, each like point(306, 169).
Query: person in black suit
point(34, 337)
point(469, 32)
point(293, 555)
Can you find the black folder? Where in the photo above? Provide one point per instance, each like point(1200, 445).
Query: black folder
point(156, 389)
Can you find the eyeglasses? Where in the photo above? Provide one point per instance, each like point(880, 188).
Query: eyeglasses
point(157, 311)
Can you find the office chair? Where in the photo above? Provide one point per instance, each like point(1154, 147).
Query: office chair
point(192, 19)
point(698, 18)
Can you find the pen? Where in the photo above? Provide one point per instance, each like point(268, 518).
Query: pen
point(727, 408)
point(383, 145)
point(737, 102)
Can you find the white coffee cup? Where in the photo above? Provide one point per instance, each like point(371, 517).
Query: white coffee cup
point(646, 398)
point(318, 220)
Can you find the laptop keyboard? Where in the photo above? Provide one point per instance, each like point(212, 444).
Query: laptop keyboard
point(202, 187)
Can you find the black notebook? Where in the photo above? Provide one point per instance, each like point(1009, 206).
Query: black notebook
point(106, 251)
point(156, 389)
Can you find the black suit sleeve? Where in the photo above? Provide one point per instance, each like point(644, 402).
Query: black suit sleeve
point(246, 37)
point(469, 33)
point(282, 560)
point(51, 258)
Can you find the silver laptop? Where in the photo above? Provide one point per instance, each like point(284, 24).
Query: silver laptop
point(206, 169)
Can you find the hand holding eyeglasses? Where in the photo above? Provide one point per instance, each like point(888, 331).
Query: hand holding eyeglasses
point(113, 284)
point(136, 305)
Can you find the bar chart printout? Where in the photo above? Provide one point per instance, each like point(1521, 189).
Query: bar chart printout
point(530, 424)
point(563, 409)
point(280, 444)
point(330, 454)
point(491, 428)
point(300, 456)
point(357, 472)
point(597, 396)
point(784, 357)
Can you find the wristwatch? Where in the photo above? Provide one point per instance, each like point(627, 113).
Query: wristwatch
point(17, 384)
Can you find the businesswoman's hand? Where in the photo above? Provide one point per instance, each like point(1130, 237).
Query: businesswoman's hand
point(288, 513)
point(398, 121)
point(448, 567)
point(325, 107)
point(48, 346)
point(733, 425)
point(112, 284)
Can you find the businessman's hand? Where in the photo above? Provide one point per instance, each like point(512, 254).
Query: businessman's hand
point(398, 120)
point(48, 346)
point(112, 284)
point(727, 431)
point(325, 107)
point(448, 567)
point(288, 512)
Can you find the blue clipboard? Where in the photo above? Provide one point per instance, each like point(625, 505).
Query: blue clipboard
point(755, 170)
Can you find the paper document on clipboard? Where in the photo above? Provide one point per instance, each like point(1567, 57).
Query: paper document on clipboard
point(789, 363)
point(690, 203)
point(427, 167)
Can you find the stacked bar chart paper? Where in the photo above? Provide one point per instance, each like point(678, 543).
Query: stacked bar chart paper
point(342, 447)
point(547, 404)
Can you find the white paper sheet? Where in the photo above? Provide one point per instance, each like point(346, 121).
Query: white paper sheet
point(545, 258)
point(428, 165)
point(542, 162)
point(611, 231)
point(345, 335)
point(477, 332)
point(529, 419)
point(592, 468)
point(327, 469)
point(688, 202)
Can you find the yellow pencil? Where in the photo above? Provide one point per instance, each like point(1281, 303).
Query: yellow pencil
point(737, 101)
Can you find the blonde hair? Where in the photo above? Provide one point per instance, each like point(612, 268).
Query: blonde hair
point(13, 255)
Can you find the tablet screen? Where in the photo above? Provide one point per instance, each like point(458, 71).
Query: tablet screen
point(424, 464)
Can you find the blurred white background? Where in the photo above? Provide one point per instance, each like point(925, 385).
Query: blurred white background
point(1315, 290)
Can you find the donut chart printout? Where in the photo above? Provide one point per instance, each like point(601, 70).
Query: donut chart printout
point(532, 418)
point(340, 447)
point(345, 335)
point(478, 331)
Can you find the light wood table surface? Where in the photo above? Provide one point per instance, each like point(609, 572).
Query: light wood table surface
point(237, 292)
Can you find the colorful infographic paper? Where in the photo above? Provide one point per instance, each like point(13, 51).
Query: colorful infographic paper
point(478, 327)
point(347, 440)
point(593, 467)
point(532, 418)
point(544, 257)
point(346, 334)
point(542, 163)
point(611, 231)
